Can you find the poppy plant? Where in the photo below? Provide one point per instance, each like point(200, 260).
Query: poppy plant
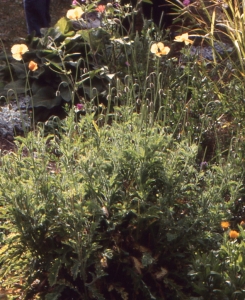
point(159, 49)
point(32, 66)
point(74, 14)
point(18, 50)
point(184, 38)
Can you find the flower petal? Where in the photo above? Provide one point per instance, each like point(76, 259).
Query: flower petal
point(70, 14)
point(166, 50)
point(32, 65)
point(17, 56)
point(19, 48)
point(225, 224)
point(188, 41)
point(185, 36)
point(234, 234)
point(154, 48)
point(178, 38)
point(74, 14)
point(160, 46)
point(23, 48)
point(100, 8)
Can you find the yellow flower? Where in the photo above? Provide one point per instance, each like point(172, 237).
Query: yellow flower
point(225, 224)
point(74, 14)
point(159, 49)
point(32, 66)
point(183, 38)
point(18, 50)
point(234, 234)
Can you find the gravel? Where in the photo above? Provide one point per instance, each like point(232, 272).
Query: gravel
point(205, 52)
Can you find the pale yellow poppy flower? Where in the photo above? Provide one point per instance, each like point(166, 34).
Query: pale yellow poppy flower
point(18, 50)
point(74, 14)
point(183, 38)
point(159, 49)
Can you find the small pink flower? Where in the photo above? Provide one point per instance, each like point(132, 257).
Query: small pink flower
point(127, 64)
point(74, 2)
point(186, 2)
point(80, 106)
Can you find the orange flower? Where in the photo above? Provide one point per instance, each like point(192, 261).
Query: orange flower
point(242, 223)
point(234, 234)
point(32, 66)
point(100, 8)
point(18, 50)
point(183, 38)
point(74, 14)
point(225, 224)
point(159, 49)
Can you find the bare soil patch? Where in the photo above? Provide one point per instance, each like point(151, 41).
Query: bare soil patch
point(6, 146)
point(13, 24)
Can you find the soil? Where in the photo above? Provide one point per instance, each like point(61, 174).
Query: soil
point(6, 146)
point(13, 24)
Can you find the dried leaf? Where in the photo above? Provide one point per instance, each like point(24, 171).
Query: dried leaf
point(105, 212)
point(103, 262)
point(141, 248)
point(137, 264)
point(161, 274)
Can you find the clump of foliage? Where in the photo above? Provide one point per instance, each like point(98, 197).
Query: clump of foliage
point(220, 273)
point(85, 207)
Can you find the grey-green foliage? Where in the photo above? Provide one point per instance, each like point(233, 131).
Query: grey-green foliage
point(82, 209)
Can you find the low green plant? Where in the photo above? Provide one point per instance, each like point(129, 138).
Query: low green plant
point(87, 206)
point(220, 273)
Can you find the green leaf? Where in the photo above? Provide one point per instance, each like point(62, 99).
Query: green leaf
point(95, 37)
point(37, 73)
point(52, 296)
point(19, 86)
point(57, 65)
point(171, 237)
point(75, 268)
point(65, 91)
point(64, 26)
point(20, 70)
point(96, 294)
point(56, 294)
point(45, 97)
point(53, 272)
